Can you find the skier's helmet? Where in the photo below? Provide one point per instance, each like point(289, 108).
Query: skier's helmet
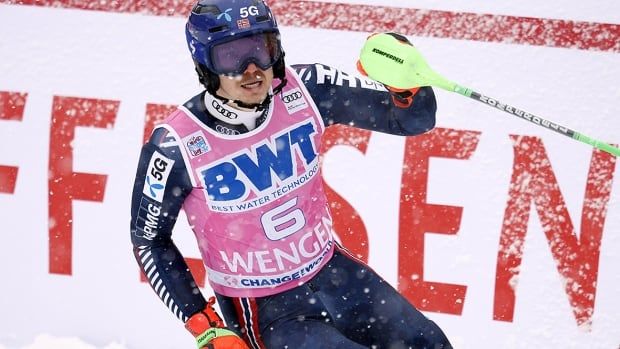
point(225, 36)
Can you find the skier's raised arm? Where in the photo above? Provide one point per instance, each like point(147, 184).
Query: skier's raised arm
point(363, 103)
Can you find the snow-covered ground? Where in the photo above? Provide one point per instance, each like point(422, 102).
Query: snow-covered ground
point(44, 341)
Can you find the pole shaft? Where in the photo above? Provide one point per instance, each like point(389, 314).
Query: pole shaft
point(522, 114)
point(550, 125)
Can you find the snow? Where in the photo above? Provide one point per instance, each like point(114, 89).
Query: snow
point(45, 341)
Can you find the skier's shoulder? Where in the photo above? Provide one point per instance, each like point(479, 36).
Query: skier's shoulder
point(196, 104)
point(163, 135)
point(163, 142)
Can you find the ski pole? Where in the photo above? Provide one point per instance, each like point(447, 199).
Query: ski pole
point(398, 64)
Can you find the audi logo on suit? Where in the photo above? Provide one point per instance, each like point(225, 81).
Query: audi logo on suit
point(225, 112)
point(291, 97)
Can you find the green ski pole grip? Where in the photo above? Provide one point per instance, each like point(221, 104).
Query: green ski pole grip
point(394, 63)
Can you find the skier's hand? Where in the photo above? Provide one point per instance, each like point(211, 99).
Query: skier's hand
point(402, 98)
point(220, 338)
point(210, 332)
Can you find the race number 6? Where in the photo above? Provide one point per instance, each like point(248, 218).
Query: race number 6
point(278, 223)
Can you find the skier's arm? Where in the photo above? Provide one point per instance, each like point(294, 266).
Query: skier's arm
point(160, 187)
point(346, 99)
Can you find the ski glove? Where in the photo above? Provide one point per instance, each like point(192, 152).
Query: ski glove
point(210, 332)
point(402, 98)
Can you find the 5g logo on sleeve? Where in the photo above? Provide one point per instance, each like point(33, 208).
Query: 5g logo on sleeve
point(264, 167)
point(157, 176)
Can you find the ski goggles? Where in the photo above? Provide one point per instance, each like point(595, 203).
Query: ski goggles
point(233, 57)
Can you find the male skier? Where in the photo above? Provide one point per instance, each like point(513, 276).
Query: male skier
point(242, 159)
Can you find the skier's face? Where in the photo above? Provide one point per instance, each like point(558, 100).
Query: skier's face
point(250, 87)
